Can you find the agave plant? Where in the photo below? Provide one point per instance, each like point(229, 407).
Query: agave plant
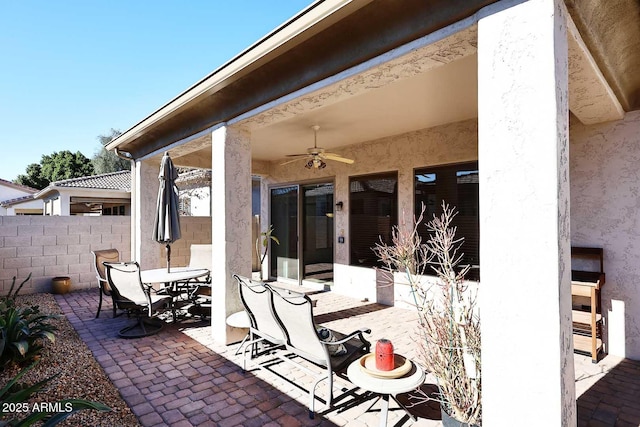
point(23, 330)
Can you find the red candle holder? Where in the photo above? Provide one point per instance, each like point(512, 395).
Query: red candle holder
point(384, 355)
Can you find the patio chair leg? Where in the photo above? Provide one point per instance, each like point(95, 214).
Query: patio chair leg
point(99, 304)
point(241, 344)
point(142, 328)
point(311, 404)
point(312, 395)
point(330, 394)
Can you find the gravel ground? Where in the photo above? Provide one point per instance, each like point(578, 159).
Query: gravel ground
point(80, 376)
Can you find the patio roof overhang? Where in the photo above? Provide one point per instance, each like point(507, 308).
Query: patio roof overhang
point(326, 38)
point(302, 58)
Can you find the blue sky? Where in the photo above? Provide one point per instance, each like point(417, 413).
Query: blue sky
point(71, 70)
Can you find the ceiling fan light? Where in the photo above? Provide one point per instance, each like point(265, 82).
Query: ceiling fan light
point(314, 158)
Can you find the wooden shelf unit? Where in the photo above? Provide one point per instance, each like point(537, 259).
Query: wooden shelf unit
point(587, 319)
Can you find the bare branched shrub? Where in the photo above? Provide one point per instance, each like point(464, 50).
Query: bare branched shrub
point(449, 321)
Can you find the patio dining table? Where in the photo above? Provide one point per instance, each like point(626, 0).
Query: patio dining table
point(176, 282)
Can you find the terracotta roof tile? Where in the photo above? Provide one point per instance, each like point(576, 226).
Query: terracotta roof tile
point(109, 181)
point(16, 200)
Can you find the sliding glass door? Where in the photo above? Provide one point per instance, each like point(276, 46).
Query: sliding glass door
point(317, 242)
point(284, 218)
point(302, 218)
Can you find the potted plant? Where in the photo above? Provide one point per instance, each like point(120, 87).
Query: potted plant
point(262, 245)
point(448, 313)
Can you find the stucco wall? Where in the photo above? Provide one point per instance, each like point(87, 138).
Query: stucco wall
point(27, 207)
point(9, 192)
point(57, 246)
point(605, 204)
point(450, 143)
point(605, 212)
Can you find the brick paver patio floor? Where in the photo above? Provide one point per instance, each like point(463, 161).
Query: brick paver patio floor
point(181, 377)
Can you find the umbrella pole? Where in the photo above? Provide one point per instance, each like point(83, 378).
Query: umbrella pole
point(168, 258)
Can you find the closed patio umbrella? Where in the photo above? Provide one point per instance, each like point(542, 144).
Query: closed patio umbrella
point(166, 227)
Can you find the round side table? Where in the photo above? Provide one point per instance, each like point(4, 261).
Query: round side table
point(386, 387)
point(240, 320)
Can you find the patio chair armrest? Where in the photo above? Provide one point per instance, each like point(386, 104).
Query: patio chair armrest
point(104, 283)
point(358, 333)
point(149, 289)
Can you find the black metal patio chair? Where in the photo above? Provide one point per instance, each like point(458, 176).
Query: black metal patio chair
point(99, 257)
point(131, 295)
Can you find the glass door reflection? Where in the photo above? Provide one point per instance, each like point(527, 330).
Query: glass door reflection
point(317, 241)
point(284, 217)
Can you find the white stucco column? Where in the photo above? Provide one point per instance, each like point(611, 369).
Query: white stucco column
point(65, 204)
point(527, 348)
point(145, 250)
point(230, 225)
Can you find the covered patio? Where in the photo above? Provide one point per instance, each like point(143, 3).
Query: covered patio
point(535, 99)
point(183, 377)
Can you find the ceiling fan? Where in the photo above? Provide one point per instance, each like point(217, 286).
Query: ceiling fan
point(315, 157)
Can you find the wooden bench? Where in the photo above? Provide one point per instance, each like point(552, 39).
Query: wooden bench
point(585, 287)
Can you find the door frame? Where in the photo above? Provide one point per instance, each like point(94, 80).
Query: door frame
point(299, 225)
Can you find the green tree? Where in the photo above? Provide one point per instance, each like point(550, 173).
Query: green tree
point(56, 167)
point(106, 161)
point(33, 177)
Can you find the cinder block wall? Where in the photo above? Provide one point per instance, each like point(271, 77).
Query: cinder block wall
point(194, 230)
point(51, 246)
point(48, 246)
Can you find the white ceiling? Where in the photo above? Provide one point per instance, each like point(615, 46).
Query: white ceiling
point(424, 91)
point(445, 94)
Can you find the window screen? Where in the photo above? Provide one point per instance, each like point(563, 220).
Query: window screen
point(373, 212)
point(458, 186)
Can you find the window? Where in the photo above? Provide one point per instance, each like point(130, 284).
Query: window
point(373, 212)
point(113, 210)
point(458, 186)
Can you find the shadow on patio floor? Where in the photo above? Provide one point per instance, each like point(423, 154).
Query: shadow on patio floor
point(614, 400)
point(182, 377)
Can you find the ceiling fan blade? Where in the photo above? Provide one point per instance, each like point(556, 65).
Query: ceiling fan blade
point(297, 155)
point(337, 158)
point(294, 160)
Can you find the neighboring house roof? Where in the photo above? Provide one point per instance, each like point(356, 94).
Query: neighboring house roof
point(17, 186)
point(11, 202)
point(109, 181)
point(16, 189)
point(88, 193)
